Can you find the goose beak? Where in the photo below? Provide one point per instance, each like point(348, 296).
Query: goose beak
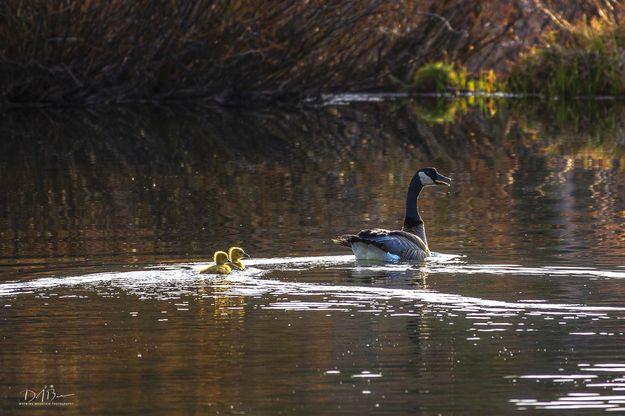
point(246, 256)
point(442, 180)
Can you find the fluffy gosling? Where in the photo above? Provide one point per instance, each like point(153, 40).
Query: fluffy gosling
point(221, 264)
point(235, 254)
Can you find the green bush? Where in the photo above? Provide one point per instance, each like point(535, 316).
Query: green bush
point(435, 77)
point(440, 77)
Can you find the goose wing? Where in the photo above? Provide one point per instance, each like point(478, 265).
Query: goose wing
point(404, 244)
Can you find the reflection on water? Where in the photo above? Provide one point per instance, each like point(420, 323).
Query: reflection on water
point(120, 188)
point(107, 217)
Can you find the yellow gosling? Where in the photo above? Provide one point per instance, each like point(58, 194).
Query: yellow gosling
point(221, 264)
point(235, 254)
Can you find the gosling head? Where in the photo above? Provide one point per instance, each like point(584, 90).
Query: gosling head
point(220, 258)
point(237, 253)
point(429, 176)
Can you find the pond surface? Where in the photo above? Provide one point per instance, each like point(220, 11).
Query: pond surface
point(106, 217)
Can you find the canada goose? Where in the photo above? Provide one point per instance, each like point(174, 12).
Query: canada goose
point(220, 267)
point(407, 244)
point(235, 254)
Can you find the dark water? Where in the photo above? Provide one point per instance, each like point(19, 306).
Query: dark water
point(105, 218)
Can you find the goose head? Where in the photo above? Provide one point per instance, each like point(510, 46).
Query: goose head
point(237, 253)
point(429, 176)
point(220, 258)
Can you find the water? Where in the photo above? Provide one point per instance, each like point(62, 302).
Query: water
point(106, 218)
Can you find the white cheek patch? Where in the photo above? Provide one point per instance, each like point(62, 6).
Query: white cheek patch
point(425, 179)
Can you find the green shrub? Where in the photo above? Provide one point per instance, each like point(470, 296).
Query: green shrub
point(435, 77)
point(440, 77)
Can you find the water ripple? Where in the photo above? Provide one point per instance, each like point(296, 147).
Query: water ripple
point(480, 317)
point(173, 281)
point(603, 380)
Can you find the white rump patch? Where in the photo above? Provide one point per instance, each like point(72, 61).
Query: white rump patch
point(425, 179)
point(364, 251)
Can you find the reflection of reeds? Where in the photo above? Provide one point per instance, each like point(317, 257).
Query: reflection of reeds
point(128, 182)
point(445, 110)
point(77, 184)
point(80, 187)
point(579, 127)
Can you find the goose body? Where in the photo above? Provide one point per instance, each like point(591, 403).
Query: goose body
point(220, 267)
point(235, 254)
point(407, 244)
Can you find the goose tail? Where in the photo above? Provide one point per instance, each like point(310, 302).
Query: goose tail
point(344, 240)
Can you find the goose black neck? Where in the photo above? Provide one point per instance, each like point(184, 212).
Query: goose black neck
point(413, 218)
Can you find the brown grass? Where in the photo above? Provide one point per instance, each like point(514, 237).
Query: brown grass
point(67, 52)
point(581, 58)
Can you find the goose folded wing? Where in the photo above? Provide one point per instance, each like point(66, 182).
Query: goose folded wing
point(406, 245)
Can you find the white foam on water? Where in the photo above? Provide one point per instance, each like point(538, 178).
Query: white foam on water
point(172, 281)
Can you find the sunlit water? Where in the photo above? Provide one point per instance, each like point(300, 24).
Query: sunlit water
point(520, 310)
